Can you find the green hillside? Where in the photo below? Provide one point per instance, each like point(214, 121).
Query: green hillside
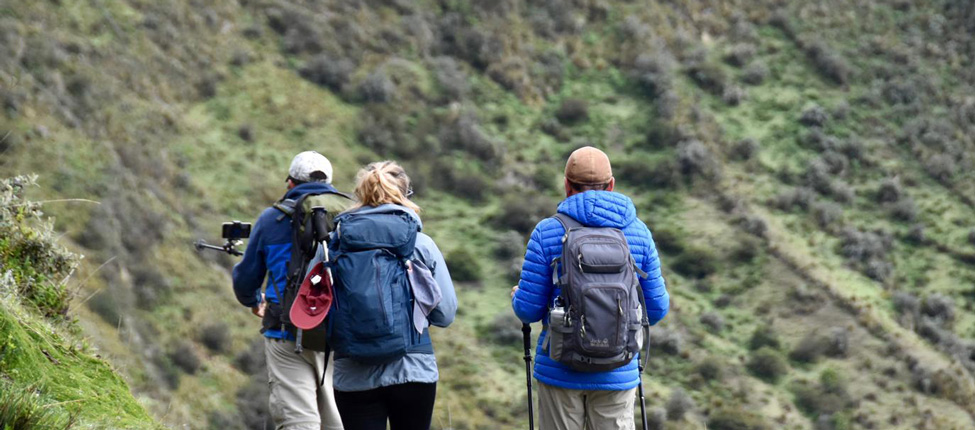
point(49, 378)
point(806, 168)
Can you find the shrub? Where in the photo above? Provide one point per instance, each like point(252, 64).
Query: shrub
point(801, 198)
point(828, 62)
point(103, 304)
point(744, 149)
point(826, 213)
point(656, 418)
point(916, 234)
point(377, 88)
point(971, 237)
point(809, 349)
point(464, 266)
point(764, 337)
point(836, 162)
point(521, 211)
point(654, 72)
point(509, 244)
point(695, 159)
point(755, 74)
point(505, 329)
point(709, 76)
point(251, 360)
point(465, 133)
point(572, 111)
point(733, 95)
point(713, 321)
point(666, 340)
point(818, 177)
point(838, 342)
point(668, 241)
point(754, 225)
point(814, 116)
point(740, 54)
point(878, 270)
point(768, 365)
point(696, 263)
point(252, 402)
point(711, 369)
point(864, 246)
point(184, 355)
point(939, 307)
point(906, 303)
point(679, 404)
point(904, 210)
point(246, 133)
point(328, 71)
point(216, 337)
point(941, 167)
point(890, 190)
point(451, 78)
point(736, 419)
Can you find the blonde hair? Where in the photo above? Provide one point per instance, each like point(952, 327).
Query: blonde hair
point(383, 182)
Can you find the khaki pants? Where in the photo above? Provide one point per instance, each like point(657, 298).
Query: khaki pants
point(297, 401)
point(565, 409)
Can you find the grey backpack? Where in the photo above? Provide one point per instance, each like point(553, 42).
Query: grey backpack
point(598, 323)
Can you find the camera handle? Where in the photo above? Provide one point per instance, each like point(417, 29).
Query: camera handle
point(229, 247)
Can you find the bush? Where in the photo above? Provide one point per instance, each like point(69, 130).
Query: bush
point(509, 244)
point(216, 337)
point(860, 246)
point(654, 72)
point(695, 159)
point(906, 303)
point(828, 62)
point(809, 349)
point(916, 234)
point(251, 360)
point(768, 365)
point(814, 116)
point(890, 190)
point(736, 419)
point(711, 369)
point(713, 321)
point(656, 418)
point(836, 162)
point(971, 237)
point(505, 329)
point(744, 149)
point(826, 213)
point(904, 210)
point(679, 404)
point(754, 225)
point(696, 263)
point(838, 342)
point(939, 307)
point(252, 402)
point(103, 304)
point(667, 341)
point(668, 241)
point(246, 133)
point(733, 95)
point(756, 73)
point(941, 167)
point(573, 111)
point(709, 76)
point(451, 78)
point(184, 355)
point(764, 337)
point(801, 198)
point(521, 211)
point(377, 88)
point(740, 54)
point(465, 133)
point(464, 266)
point(328, 71)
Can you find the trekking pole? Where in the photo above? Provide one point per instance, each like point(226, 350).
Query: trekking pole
point(643, 401)
point(526, 330)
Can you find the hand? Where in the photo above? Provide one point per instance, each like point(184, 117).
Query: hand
point(514, 290)
point(258, 310)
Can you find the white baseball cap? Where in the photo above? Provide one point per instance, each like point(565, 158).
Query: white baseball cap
point(305, 164)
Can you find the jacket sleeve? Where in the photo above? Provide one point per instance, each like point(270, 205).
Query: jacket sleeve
point(249, 274)
point(442, 315)
point(654, 286)
point(535, 287)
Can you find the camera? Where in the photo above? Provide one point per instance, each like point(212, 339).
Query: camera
point(234, 233)
point(236, 230)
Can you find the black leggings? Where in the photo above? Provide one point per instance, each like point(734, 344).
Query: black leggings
point(407, 406)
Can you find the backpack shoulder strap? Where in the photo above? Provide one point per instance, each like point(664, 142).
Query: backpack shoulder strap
point(286, 206)
point(567, 221)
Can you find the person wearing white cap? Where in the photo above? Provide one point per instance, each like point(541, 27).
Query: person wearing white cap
point(300, 399)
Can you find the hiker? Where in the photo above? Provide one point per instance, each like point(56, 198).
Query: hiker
point(570, 399)
point(300, 397)
point(387, 378)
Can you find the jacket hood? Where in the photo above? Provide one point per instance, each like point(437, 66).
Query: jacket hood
point(600, 209)
point(386, 208)
point(309, 188)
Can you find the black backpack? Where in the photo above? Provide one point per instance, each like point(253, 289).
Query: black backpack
point(312, 219)
point(598, 322)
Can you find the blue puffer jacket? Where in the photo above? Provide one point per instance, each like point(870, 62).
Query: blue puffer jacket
point(536, 292)
point(268, 252)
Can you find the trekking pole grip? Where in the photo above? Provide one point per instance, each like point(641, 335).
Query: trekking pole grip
point(526, 330)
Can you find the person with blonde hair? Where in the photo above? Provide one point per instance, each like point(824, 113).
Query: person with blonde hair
point(390, 283)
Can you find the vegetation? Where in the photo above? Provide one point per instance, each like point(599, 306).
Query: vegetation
point(806, 169)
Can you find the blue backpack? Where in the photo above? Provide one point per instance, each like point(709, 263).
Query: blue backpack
point(372, 313)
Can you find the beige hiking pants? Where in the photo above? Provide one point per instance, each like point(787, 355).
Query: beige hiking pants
point(565, 409)
point(297, 401)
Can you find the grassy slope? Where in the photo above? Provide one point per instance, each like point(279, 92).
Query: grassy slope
point(227, 177)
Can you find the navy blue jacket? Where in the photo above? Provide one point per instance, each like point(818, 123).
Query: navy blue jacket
point(268, 252)
point(536, 292)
